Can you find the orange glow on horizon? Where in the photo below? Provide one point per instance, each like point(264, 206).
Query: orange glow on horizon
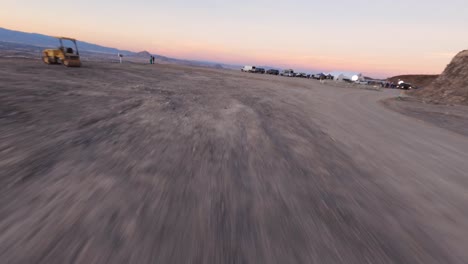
point(285, 37)
point(211, 51)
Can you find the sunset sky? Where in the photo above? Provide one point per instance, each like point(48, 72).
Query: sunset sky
point(380, 38)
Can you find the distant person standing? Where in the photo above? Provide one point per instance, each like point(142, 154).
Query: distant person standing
point(151, 59)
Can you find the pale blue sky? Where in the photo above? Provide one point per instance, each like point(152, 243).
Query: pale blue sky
point(378, 37)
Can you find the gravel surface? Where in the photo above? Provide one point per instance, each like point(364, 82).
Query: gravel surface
point(170, 164)
point(451, 117)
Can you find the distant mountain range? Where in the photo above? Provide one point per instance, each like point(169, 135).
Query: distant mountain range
point(25, 40)
point(40, 40)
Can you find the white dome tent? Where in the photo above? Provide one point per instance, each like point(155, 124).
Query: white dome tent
point(349, 76)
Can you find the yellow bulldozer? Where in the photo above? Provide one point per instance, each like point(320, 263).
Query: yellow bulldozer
point(63, 55)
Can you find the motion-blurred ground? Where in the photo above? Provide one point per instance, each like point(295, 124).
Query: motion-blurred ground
point(171, 164)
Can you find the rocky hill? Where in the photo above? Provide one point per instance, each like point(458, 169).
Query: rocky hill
point(142, 54)
point(452, 85)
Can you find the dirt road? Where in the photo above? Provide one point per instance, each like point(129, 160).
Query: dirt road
point(171, 164)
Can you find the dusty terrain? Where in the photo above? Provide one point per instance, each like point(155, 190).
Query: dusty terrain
point(136, 163)
point(451, 117)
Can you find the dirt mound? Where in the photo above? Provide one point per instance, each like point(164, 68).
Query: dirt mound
point(452, 85)
point(418, 80)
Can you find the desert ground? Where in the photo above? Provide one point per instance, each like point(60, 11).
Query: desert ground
point(137, 163)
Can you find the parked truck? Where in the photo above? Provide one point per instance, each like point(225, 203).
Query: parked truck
point(288, 73)
point(248, 69)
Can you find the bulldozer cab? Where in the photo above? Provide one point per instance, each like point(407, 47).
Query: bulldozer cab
point(68, 50)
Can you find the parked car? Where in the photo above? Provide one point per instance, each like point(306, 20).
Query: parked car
point(405, 86)
point(259, 70)
point(301, 75)
point(248, 69)
point(319, 76)
point(273, 72)
point(287, 73)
